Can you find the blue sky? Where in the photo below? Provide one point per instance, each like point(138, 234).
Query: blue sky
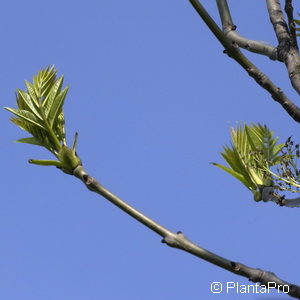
point(153, 98)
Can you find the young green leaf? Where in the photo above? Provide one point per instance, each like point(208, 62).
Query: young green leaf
point(253, 150)
point(30, 140)
point(40, 112)
point(27, 116)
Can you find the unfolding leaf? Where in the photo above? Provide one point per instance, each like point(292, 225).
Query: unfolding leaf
point(235, 174)
point(40, 112)
point(30, 140)
point(252, 151)
point(24, 102)
point(51, 95)
point(32, 93)
point(56, 106)
point(26, 116)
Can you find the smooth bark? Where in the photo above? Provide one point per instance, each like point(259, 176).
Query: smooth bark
point(178, 240)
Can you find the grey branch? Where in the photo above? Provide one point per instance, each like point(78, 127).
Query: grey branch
point(268, 194)
point(178, 240)
point(287, 50)
point(291, 202)
point(233, 51)
point(230, 32)
point(288, 8)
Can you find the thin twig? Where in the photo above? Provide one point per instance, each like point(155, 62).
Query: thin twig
point(232, 50)
point(179, 241)
point(291, 202)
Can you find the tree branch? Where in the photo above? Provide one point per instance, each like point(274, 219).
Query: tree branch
point(179, 241)
point(290, 202)
point(268, 194)
point(288, 8)
point(287, 50)
point(229, 30)
point(232, 51)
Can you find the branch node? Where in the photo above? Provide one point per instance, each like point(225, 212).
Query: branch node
point(87, 179)
point(235, 266)
point(267, 193)
point(235, 45)
point(174, 240)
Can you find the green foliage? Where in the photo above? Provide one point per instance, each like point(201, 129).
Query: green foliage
point(40, 112)
point(287, 175)
point(252, 152)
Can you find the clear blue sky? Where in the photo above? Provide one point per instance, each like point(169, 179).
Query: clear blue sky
point(153, 98)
